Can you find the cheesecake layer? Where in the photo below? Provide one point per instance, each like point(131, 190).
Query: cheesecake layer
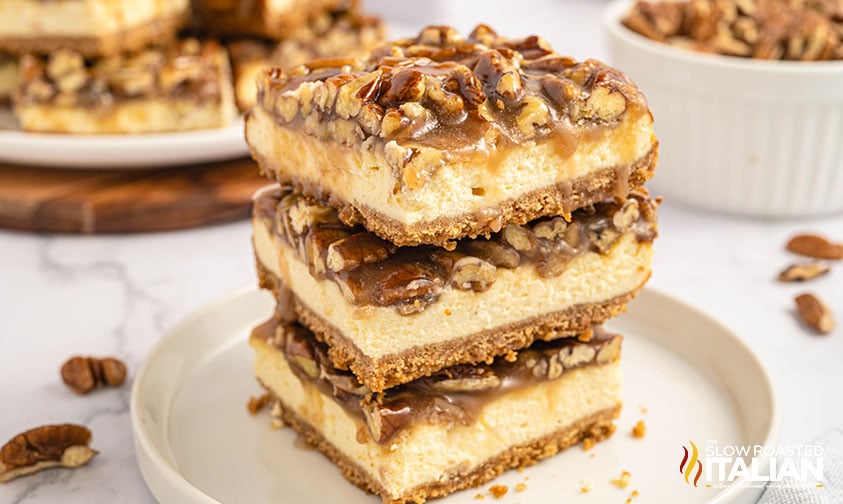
point(329, 35)
point(91, 27)
point(183, 86)
point(447, 317)
point(440, 137)
point(274, 19)
point(427, 459)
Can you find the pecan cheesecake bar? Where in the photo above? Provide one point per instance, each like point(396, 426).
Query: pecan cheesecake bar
point(455, 429)
point(274, 19)
point(440, 137)
point(89, 27)
point(183, 86)
point(8, 77)
point(393, 314)
point(330, 35)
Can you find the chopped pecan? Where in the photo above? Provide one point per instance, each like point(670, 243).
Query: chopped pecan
point(492, 252)
point(473, 273)
point(383, 421)
point(625, 217)
point(465, 379)
point(793, 30)
point(610, 352)
point(603, 239)
point(306, 215)
point(317, 245)
point(534, 113)
point(298, 349)
point(803, 272)
point(521, 238)
point(552, 229)
point(359, 248)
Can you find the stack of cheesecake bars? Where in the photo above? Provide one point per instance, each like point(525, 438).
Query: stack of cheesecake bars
point(138, 66)
point(453, 219)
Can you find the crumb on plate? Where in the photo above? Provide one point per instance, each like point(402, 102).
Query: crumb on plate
point(499, 490)
point(640, 430)
point(623, 481)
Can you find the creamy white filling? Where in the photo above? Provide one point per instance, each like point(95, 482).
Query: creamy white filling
point(362, 177)
point(516, 295)
point(140, 116)
point(80, 18)
point(438, 452)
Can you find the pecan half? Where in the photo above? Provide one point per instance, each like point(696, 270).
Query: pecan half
point(64, 445)
point(84, 374)
point(815, 246)
point(359, 248)
point(816, 314)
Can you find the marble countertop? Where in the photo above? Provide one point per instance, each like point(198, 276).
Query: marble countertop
point(65, 295)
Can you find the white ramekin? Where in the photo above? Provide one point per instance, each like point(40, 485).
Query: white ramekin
point(750, 137)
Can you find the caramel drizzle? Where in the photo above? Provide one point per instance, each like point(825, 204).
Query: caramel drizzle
point(469, 73)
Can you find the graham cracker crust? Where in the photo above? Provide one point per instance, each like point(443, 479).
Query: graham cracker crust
point(416, 362)
point(596, 427)
point(557, 199)
point(129, 39)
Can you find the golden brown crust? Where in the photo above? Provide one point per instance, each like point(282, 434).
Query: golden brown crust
point(557, 199)
point(596, 427)
point(413, 363)
point(129, 39)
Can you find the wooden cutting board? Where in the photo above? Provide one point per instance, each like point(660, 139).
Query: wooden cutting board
point(121, 201)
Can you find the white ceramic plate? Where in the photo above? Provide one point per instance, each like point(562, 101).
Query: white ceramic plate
point(196, 443)
point(118, 151)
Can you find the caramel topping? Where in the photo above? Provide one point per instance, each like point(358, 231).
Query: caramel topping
point(446, 92)
point(187, 68)
point(454, 394)
point(371, 271)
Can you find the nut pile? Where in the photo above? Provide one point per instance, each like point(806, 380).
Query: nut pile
point(449, 395)
point(64, 445)
point(188, 68)
point(372, 271)
point(801, 30)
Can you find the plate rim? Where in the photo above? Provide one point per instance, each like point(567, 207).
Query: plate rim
point(147, 451)
point(99, 152)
